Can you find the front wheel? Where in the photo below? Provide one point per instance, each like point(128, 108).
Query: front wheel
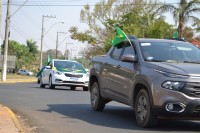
point(51, 86)
point(97, 102)
point(143, 113)
point(73, 88)
point(41, 83)
point(85, 88)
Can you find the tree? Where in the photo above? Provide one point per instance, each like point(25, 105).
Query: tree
point(84, 62)
point(100, 32)
point(183, 13)
point(52, 54)
point(23, 56)
point(136, 17)
point(33, 48)
point(144, 21)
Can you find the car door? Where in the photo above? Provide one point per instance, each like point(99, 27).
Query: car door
point(46, 72)
point(112, 83)
point(120, 74)
point(127, 70)
point(23, 72)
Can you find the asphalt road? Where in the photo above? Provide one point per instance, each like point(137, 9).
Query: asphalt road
point(64, 111)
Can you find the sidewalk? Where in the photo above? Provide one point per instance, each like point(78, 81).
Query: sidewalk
point(8, 121)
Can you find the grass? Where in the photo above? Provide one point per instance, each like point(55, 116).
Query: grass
point(16, 76)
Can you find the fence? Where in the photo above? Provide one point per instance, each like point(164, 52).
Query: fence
point(11, 62)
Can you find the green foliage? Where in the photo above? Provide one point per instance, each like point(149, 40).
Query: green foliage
point(84, 62)
point(52, 54)
point(183, 12)
point(23, 55)
point(33, 48)
point(141, 18)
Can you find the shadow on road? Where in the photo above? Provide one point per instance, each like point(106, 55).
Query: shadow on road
point(60, 88)
point(117, 117)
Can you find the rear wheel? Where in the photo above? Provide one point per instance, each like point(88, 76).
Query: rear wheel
point(143, 113)
point(38, 81)
point(41, 83)
point(97, 102)
point(73, 88)
point(51, 86)
point(85, 88)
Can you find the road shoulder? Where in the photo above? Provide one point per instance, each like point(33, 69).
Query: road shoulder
point(9, 122)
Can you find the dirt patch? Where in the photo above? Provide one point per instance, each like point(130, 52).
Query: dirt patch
point(25, 124)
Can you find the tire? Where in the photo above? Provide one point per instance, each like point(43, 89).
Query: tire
point(97, 102)
point(143, 113)
point(51, 86)
point(41, 83)
point(73, 88)
point(85, 88)
point(38, 81)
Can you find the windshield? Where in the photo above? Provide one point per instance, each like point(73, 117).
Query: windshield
point(69, 66)
point(170, 52)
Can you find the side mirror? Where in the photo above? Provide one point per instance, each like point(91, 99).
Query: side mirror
point(48, 67)
point(129, 58)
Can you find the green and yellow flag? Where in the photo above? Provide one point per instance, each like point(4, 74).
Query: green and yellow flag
point(175, 34)
point(119, 37)
point(48, 59)
point(45, 63)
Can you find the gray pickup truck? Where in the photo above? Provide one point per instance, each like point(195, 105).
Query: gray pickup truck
point(158, 78)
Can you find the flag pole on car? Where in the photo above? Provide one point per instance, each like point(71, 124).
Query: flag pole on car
point(120, 36)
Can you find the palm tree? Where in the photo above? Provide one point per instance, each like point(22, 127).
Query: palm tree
point(183, 12)
point(32, 47)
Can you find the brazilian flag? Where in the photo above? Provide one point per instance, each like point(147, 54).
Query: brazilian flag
point(120, 36)
point(46, 63)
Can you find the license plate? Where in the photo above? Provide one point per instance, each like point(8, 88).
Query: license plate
point(73, 79)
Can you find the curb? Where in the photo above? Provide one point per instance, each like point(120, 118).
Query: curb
point(19, 81)
point(14, 119)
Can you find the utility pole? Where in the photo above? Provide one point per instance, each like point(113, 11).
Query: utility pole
point(57, 42)
point(7, 30)
point(0, 21)
point(42, 37)
point(67, 52)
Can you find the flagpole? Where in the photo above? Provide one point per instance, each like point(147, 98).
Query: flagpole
point(127, 38)
point(116, 41)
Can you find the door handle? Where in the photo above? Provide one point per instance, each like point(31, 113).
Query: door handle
point(118, 66)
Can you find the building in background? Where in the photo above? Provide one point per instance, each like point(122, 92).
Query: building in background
point(11, 63)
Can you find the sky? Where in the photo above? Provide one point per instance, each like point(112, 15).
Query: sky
point(26, 23)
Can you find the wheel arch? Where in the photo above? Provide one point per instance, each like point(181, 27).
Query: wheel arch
point(93, 78)
point(141, 84)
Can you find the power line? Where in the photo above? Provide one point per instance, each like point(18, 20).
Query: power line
point(19, 8)
point(23, 34)
point(84, 4)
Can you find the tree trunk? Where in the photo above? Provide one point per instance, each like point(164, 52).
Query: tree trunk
point(180, 27)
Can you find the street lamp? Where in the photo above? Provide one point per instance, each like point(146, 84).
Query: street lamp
point(42, 37)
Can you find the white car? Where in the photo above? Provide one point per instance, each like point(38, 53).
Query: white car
point(64, 73)
point(25, 72)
